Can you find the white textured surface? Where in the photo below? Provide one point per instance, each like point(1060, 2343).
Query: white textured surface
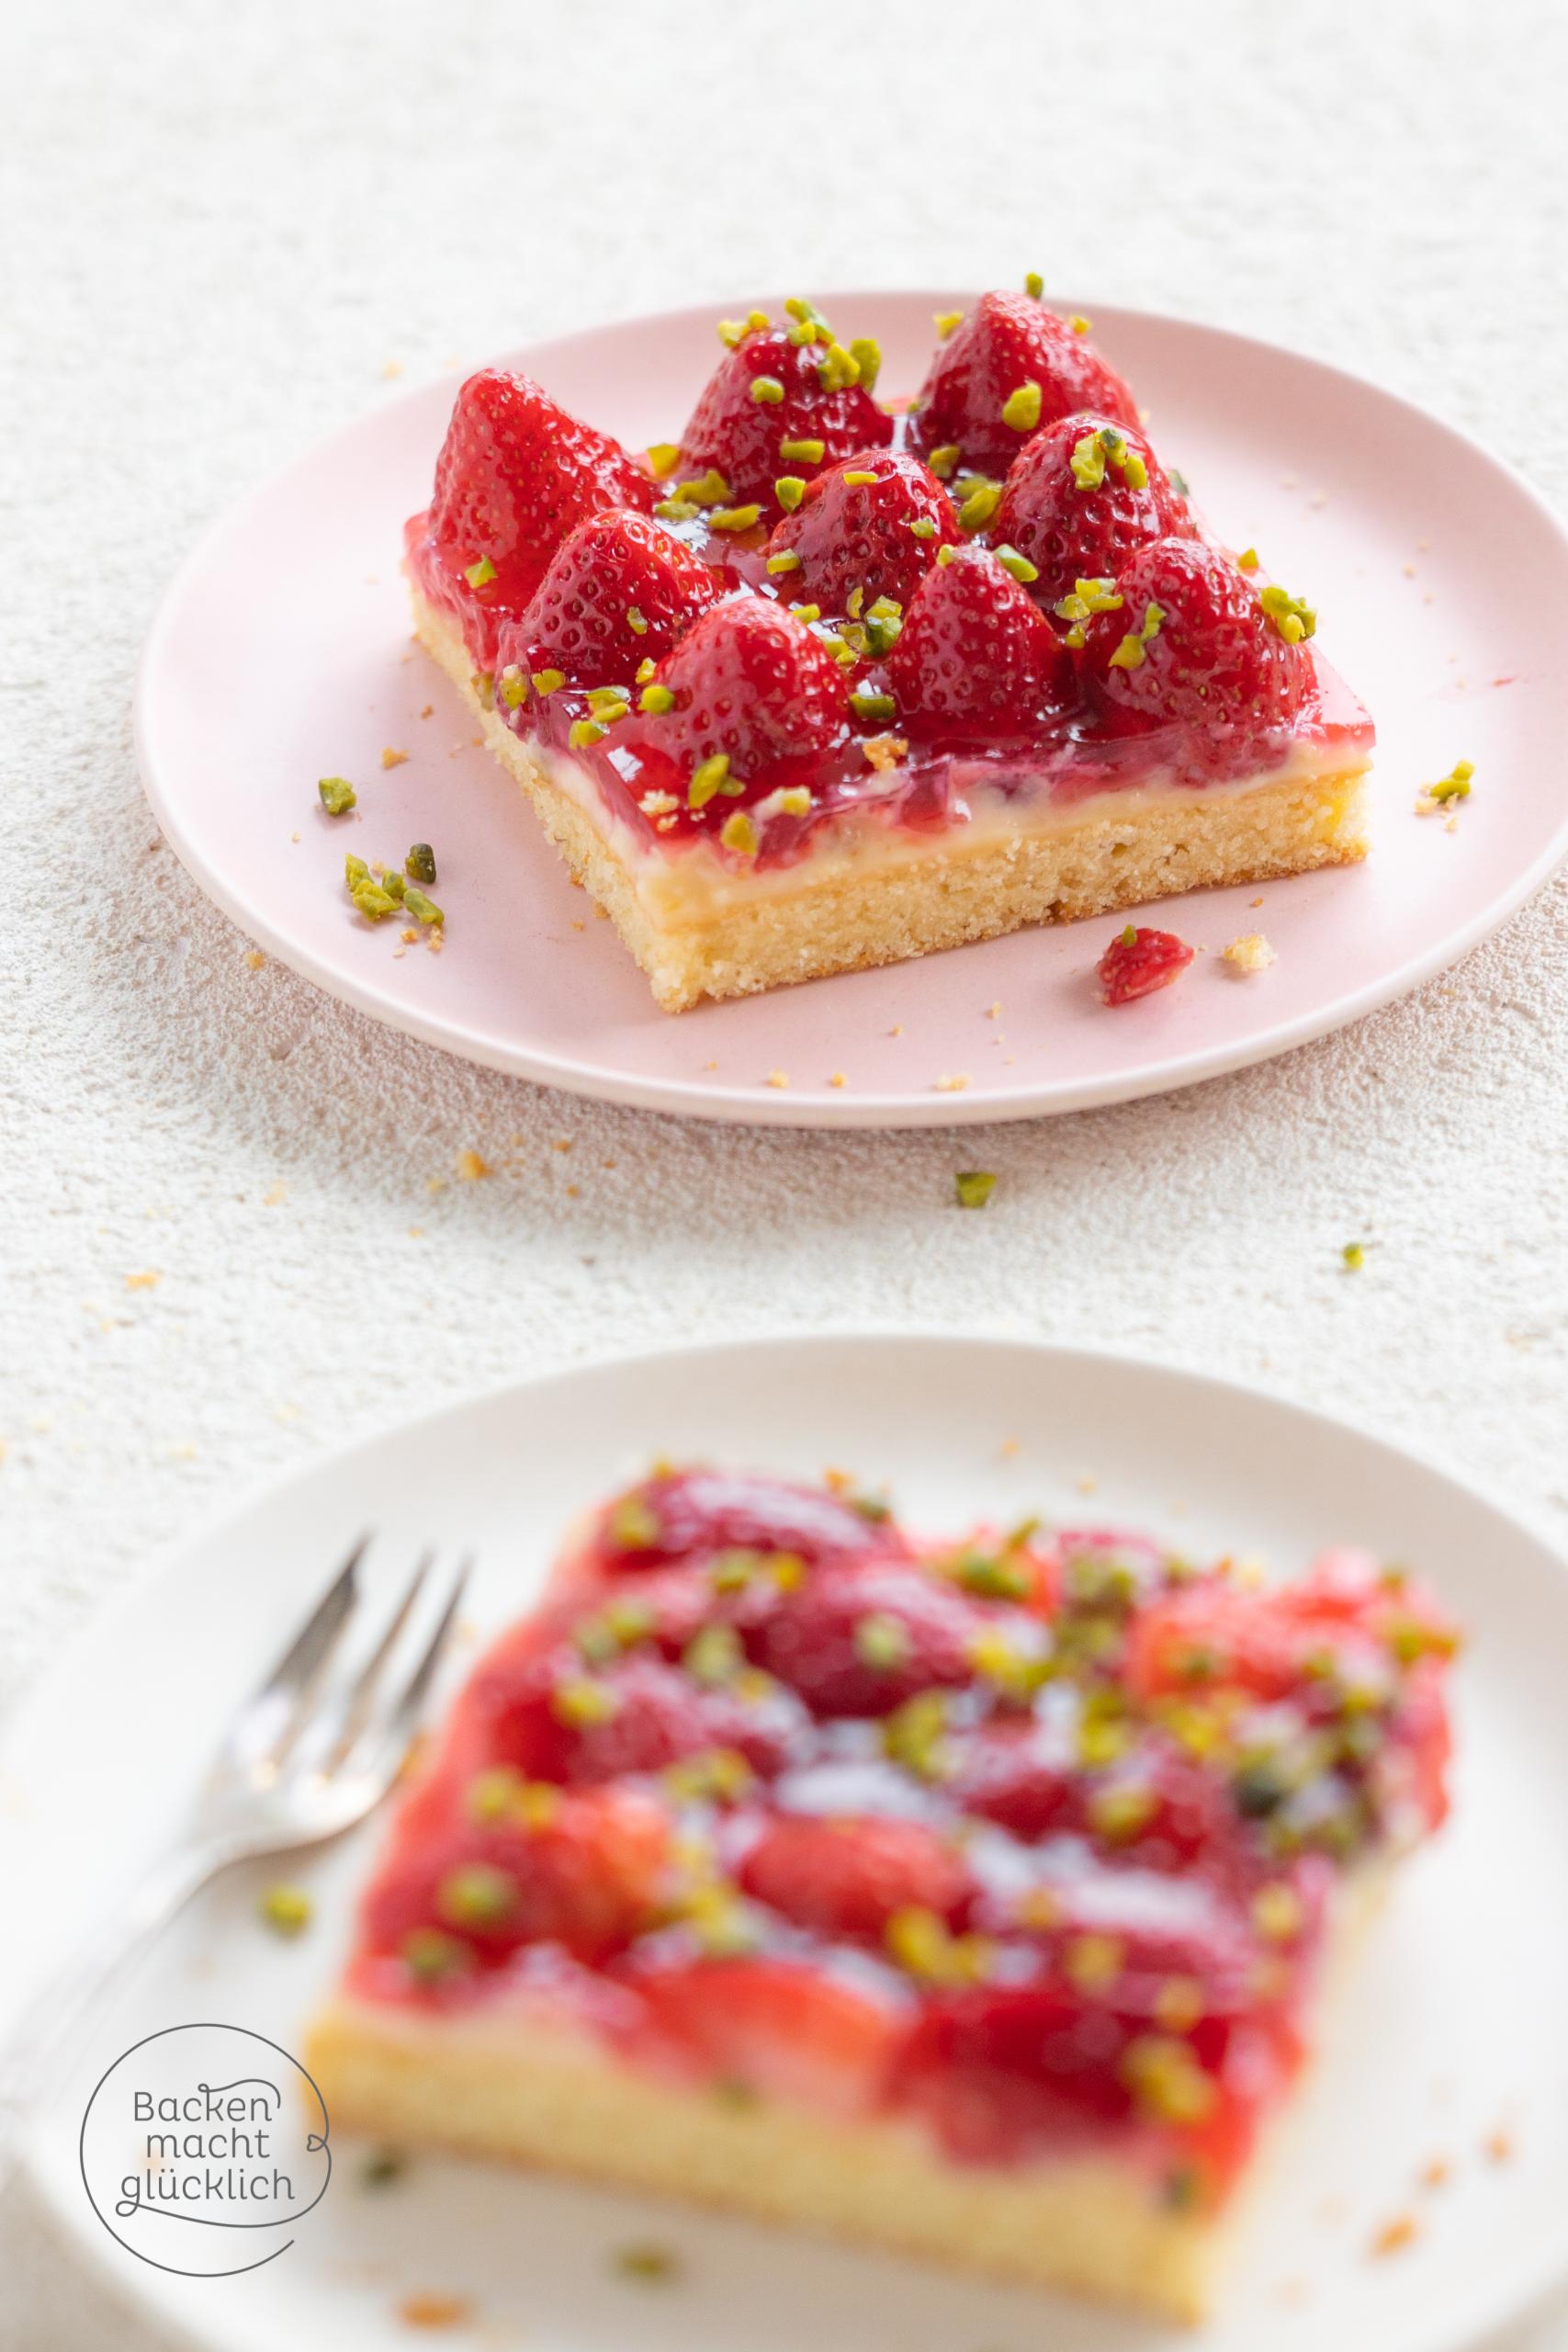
point(220, 227)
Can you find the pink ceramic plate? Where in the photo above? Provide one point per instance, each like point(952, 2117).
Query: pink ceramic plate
point(282, 654)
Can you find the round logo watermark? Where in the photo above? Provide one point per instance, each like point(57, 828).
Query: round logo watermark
point(203, 2147)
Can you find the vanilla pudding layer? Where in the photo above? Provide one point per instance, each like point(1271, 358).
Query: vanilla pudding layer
point(871, 892)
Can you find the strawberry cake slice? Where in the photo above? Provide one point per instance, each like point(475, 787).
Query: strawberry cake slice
point(969, 1899)
point(835, 680)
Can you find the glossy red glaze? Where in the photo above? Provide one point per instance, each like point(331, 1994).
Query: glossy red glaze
point(1033, 1840)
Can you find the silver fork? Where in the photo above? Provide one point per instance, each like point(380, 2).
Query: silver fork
point(303, 1758)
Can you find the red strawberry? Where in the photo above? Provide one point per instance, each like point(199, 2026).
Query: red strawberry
point(1080, 497)
point(1194, 647)
point(582, 1869)
point(1023, 1776)
point(1106, 1569)
point(679, 1512)
point(560, 1722)
point(619, 589)
point(880, 533)
point(751, 688)
point(844, 1879)
point(1008, 344)
point(1139, 961)
point(858, 1640)
point(742, 435)
point(515, 474)
point(779, 2028)
point(975, 655)
point(1232, 1636)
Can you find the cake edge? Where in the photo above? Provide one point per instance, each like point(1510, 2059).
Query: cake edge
point(859, 914)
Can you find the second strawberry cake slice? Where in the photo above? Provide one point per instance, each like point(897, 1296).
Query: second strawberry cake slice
point(971, 1899)
point(833, 682)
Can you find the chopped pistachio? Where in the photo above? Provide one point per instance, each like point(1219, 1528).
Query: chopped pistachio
point(708, 490)
point(922, 528)
point(338, 796)
point(381, 2167)
point(645, 670)
point(866, 705)
point(714, 1654)
point(1019, 565)
point(424, 909)
point(356, 873)
point(1353, 1256)
point(1292, 617)
point(786, 560)
point(707, 779)
point(806, 613)
point(1079, 324)
point(636, 621)
point(1034, 285)
point(419, 863)
point(947, 555)
point(656, 699)
point(288, 1910)
point(391, 881)
point(739, 834)
point(944, 459)
point(584, 732)
point(767, 389)
point(1164, 2074)
point(429, 1955)
point(603, 698)
point(839, 370)
point(979, 506)
point(677, 510)
point(654, 2265)
point(633, 1525)
point(946, 320)
point(730, 332)
point(866, 353)
point(582, 1704)
point(882, 1643)
point(1247, 560)
point(663, 457)
point(372, 901)
point(1021, 408)
point(802, 453)
point(1129, 654)
point(548, 681)
point(476, 1896)
point(973, 1187)
point(479, 575)
point(1455, 786)
point(859, 477)
point(733, 518)
point(789, 489)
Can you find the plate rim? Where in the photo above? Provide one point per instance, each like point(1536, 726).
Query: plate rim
point(757, 1105)
point(1536, 2283)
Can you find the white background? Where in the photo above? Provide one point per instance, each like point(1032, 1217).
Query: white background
point(222, 229)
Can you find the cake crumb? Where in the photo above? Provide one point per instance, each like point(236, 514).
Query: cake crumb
point(275, 1195)
point(1435, 2173)
point(390, 367)
point(256, 959)
point(837, 1079)
point(778, 1078)
point(839, 1482)
point(578, 926)
point(1395, 2236)
point(1250, 952)
point(435, 2311)
point(429, 710)
point(1086, 1482)
point(391, 758)
point(897, 1030)
point(1498, 2146)
point(470, 1168)
point(1008, 1448)
point(416, 1233)
point(955, 1083)
point(561, 1143)
point(884, 752)
point(149, 1280)
point(993, 1012)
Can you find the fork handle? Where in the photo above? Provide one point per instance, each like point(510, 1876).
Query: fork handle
point(34, 2053)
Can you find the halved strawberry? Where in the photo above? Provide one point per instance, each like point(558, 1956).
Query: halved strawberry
point(619, 589)
point(1080, 498)
point(748, 697)
point(858, 1640)
point(1011, 367)
point(561, 1721)
point(803, 417)
point(1022, 1775)
point(584, 1870)
point(873, 522)
point(676, 1513)
point(779, 2028)
point(1228, 1636)
point(515, 474)
point(976, 655)
point(1193, 646)
point(845, 1877)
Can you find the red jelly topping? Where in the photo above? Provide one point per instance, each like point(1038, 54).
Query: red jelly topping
point(1031, 1839)
point(782, 647)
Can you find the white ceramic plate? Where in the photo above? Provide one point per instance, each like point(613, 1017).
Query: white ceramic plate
point(1454, 2030)
point(282, 654)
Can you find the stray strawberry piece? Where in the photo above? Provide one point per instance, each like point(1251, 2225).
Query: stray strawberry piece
point(1011, 367)
point(805, 405)
point(619, 590)
point(1191, 646)
point(516, 473)
point(774, 2028)
point(976, 655)
point(1080, 498)
point(874, 522)
point(846, 1878)
point(1138, 961)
